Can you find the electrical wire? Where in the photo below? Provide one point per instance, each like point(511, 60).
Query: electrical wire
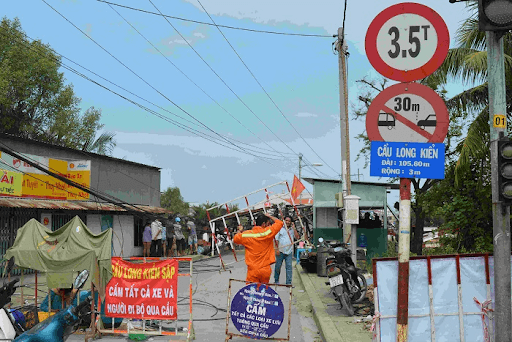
point(182, 126)
point(194, 83)
point(147, 83)
point(261, 86)
point(224, 26)
point(116, 201)
point(221, 79)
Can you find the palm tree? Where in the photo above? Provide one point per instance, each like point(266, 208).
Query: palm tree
point(104, 144)
point(468, 63)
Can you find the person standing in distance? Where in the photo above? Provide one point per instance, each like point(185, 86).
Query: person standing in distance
point(285, 239)
point(180, 238)
point(146, 239)
point(192, 236)
point(170, 238)
point(156, 235)
point(259, 249)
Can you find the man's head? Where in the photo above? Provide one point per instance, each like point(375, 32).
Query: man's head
point(263, 221)
point(288, 220)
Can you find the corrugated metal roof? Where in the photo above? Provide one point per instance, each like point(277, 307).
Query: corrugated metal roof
point(74, 205)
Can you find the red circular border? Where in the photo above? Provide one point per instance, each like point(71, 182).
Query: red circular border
point(437, 103)
point(443, 42)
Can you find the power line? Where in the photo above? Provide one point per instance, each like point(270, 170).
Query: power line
point(222, 80)
point(194, 83)
point(175, 104)
point(262, 88)
point(225, 26)
point(178, 124)
point(344, 17)
point(89, 189)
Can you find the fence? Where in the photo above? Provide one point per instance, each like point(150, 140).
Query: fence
point(451, 298)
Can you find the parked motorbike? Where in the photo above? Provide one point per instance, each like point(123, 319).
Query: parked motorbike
point(347, 282)
point(58, 327)
point(10, 327)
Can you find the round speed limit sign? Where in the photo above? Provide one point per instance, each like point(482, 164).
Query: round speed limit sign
point(407, 42)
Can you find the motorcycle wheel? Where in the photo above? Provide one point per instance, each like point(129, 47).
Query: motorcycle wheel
point(346, 303)
point(362, 286)
point(338, 292)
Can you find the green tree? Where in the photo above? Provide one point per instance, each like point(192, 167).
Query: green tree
point(35, 101)
point(465, 207)
point(171, 199)
point(367, 92)
point(467, 63)
point(202, 218)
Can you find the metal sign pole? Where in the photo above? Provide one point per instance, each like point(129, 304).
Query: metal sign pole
point(404, 234)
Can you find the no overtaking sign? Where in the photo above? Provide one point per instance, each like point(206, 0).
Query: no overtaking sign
point(407, 112)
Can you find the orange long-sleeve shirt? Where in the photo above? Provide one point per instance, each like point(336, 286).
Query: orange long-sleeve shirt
point(258, 244)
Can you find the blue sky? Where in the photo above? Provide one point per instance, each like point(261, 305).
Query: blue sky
point(300, 74)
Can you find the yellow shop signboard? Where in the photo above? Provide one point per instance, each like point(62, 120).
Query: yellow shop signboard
point(10, 183)
point(37, 184)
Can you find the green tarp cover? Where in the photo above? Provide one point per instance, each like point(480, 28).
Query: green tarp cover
point(63, 253)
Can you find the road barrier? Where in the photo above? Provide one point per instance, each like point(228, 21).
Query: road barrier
point(451, 298)
point(132, 326)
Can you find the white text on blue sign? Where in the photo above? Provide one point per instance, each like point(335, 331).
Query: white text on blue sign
point(407, 160)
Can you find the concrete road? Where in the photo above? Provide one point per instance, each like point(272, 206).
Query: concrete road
point(210, 294)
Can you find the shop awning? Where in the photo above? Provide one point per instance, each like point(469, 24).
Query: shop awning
point(9, 202)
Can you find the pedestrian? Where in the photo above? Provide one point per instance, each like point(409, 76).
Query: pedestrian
point(164, 241)
point(170, 239)
point(192, 236)
point(259, 249)
point(146, 239)
point(285, 239)
point(180, 239)
point(156, 235)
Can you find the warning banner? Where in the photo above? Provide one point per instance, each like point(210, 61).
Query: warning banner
point(142, 291)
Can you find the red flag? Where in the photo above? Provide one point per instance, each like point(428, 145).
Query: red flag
point(297, 188)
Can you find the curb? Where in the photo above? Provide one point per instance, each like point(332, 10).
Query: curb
point(322, 319)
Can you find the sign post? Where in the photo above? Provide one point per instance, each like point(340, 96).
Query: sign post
point(406, 42)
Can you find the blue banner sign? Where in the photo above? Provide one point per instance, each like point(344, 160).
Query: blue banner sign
point(407, 160)
point(257, 311)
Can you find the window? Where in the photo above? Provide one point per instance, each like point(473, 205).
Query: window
point(138, 230)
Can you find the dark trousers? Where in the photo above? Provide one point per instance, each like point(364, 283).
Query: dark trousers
point(156, 248)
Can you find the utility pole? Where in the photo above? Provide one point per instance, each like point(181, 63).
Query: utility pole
point(341, 47)
point(300, 165)
point(500, 211)
point(300, 180)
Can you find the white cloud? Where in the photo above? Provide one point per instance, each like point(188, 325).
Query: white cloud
point(306, 115)
point(325, 14)
point(200, 35)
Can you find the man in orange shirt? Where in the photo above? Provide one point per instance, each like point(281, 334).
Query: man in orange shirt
point(259, 248)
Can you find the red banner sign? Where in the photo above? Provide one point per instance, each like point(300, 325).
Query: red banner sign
point(143, 291)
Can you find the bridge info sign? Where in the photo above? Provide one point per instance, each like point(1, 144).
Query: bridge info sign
point(407, 42)
point(407, 160)
point(257, 311)
point(142, 291)
point(407, 113)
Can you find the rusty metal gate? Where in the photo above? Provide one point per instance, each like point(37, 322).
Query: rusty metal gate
point(11, 219)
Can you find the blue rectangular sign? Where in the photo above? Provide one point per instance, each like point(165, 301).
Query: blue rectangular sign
point(407, 160)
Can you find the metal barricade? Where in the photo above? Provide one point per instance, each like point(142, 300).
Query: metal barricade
point(145, 330)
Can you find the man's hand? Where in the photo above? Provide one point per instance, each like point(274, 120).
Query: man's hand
point(277, 252)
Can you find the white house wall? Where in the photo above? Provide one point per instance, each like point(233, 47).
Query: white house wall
point(122, 235)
